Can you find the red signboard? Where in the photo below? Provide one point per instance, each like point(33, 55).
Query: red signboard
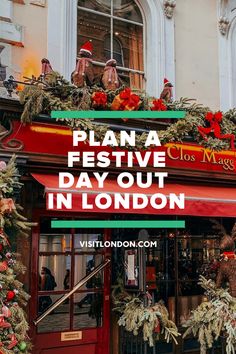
point(46, 139)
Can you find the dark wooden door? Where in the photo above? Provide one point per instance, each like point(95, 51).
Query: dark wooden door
point(60, 259)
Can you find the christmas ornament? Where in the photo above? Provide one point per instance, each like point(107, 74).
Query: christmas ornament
point(22, 346)
point(13, 340)
point(3, 323)
point(10, 295)
point(158, 105)
point(3, 266)
point(166, 93)
point(214, 119)
point(3, 236)
point(7, 205)
point(110, 77)
point(11, 262)
point(3, 165)
point(99, 99)
point(6, 311)
point(8, 255)
point(46, 67)
point(83, 74)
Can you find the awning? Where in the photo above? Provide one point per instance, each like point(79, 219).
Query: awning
point(199, 200)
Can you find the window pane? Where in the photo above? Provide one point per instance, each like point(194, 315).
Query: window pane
point(117, 50)
point(58, 320)
point(131, 38)
point(93, 27)
point(55, 243)
point(97, 5)
point(82, 240)
point(127, 10)
point(54, 272)
point(84, 265)
point(88, 309)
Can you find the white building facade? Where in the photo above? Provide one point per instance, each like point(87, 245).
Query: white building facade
point(192, 43)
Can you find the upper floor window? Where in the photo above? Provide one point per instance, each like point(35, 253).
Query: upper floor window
point(116, 30)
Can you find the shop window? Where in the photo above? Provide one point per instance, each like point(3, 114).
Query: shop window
point(116, 30)
point(173, 267)
point(63, 261)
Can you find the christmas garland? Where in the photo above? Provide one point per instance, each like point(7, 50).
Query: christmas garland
point(152, 320)
point(13, 323)
point(214, 317)
point(58, 94)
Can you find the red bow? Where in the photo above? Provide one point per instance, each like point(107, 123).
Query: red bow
point(214, 119)
point(130, 100)
point(99, 99)
point(158, 105)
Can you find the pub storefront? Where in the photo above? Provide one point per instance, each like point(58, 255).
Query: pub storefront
point(169, 271)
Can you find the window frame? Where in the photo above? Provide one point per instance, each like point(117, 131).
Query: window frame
point(112, 18)
point(159, 39)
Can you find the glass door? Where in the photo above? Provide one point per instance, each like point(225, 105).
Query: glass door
point(64, 257)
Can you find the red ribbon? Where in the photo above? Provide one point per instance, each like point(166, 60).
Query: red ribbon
point(214, 119)
point(99, 99)
point(129, 100)
point(229, 254)
point(158, 105)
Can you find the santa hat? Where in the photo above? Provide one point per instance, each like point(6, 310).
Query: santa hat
point(87, 47)
point(166, 82)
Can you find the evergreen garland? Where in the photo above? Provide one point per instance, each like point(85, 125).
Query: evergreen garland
point(55, 93)
point(152, 320)
point(214, 317)
point(13, 323)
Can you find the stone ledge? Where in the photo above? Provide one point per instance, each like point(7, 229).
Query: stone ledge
point(11, 33)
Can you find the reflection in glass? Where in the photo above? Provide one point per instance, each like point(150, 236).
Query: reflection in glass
point(84, 265)
point(95, 27)
point(55, 243)
point(81, 239)
point(54, 272)
point(88, 308)
point(58, 320)
point(117, 50)
point(127, 9)
point(127, 38)
point(97, 5)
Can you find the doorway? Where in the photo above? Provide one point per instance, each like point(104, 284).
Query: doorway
point(60, 259)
